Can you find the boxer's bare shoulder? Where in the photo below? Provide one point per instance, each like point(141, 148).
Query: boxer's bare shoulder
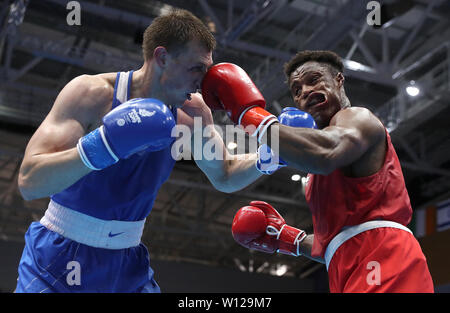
point(372, 132)
point(86, 98)
point(77, 110)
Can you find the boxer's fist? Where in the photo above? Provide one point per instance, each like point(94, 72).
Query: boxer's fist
point(227, 87)
point(294, 117)
point(136, 125)
point(268, 161)
point(249, 230)
point(260, 227)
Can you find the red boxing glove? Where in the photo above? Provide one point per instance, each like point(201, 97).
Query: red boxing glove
point(227, 87)
point(260, 227)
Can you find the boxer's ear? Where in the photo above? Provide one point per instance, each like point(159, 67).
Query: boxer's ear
point(160, 55)
point(340, 79)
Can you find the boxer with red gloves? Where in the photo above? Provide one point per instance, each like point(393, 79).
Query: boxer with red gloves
point(355, 188)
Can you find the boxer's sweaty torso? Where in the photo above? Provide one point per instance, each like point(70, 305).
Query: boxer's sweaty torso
point(337, 201)
point(123, 192)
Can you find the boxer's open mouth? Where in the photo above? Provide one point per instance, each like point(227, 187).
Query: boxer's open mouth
point(314, 99)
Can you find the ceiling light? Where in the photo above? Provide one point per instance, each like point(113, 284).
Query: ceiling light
point(412, 89)
point(296, 177)
point(304, 182)
point(356, 66)
point(281, 270)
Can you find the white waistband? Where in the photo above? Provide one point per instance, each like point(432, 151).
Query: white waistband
point(352, 231)
point(92, 231)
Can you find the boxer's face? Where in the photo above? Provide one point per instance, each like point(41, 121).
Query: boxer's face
point(185, 71)
point(317, 91)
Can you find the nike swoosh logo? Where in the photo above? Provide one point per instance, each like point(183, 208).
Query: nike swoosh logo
point(114, 235)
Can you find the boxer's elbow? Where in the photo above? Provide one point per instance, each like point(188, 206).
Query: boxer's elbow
point(224, 185)
point(325, 167)
point(227, 184)
point(26, 189)
point(27, 196)
point(30, 193)
point(320, 164)
point(330, 156)
point(236, 175)
point(229, 188)
point(223, 189)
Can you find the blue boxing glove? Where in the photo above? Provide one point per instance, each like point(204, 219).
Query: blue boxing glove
point(136, 125)
point(293, 117)
point(268, 162)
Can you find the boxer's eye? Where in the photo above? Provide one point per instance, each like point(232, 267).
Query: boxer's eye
point(198, 68)
point(313, 79)
point(296, 91)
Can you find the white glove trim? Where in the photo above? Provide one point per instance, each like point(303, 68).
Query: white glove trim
point(245, 111)
point(105, 142)
point(84, 158)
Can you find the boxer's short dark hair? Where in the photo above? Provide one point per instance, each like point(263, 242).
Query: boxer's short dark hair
point(329, 58)
point(174, 30)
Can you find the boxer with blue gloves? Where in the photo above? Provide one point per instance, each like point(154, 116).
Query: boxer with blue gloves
point(101, 155)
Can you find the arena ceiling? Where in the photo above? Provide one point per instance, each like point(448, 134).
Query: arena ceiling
point(191, 220)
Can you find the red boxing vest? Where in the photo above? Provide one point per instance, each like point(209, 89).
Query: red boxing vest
point(336, 200)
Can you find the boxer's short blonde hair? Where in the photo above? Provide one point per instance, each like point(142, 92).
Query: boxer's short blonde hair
point(174, 30)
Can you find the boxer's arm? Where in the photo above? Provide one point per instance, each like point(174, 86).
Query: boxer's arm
point(306, 247)
point(227, 173)
point(51, 162)
point(350, 134)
